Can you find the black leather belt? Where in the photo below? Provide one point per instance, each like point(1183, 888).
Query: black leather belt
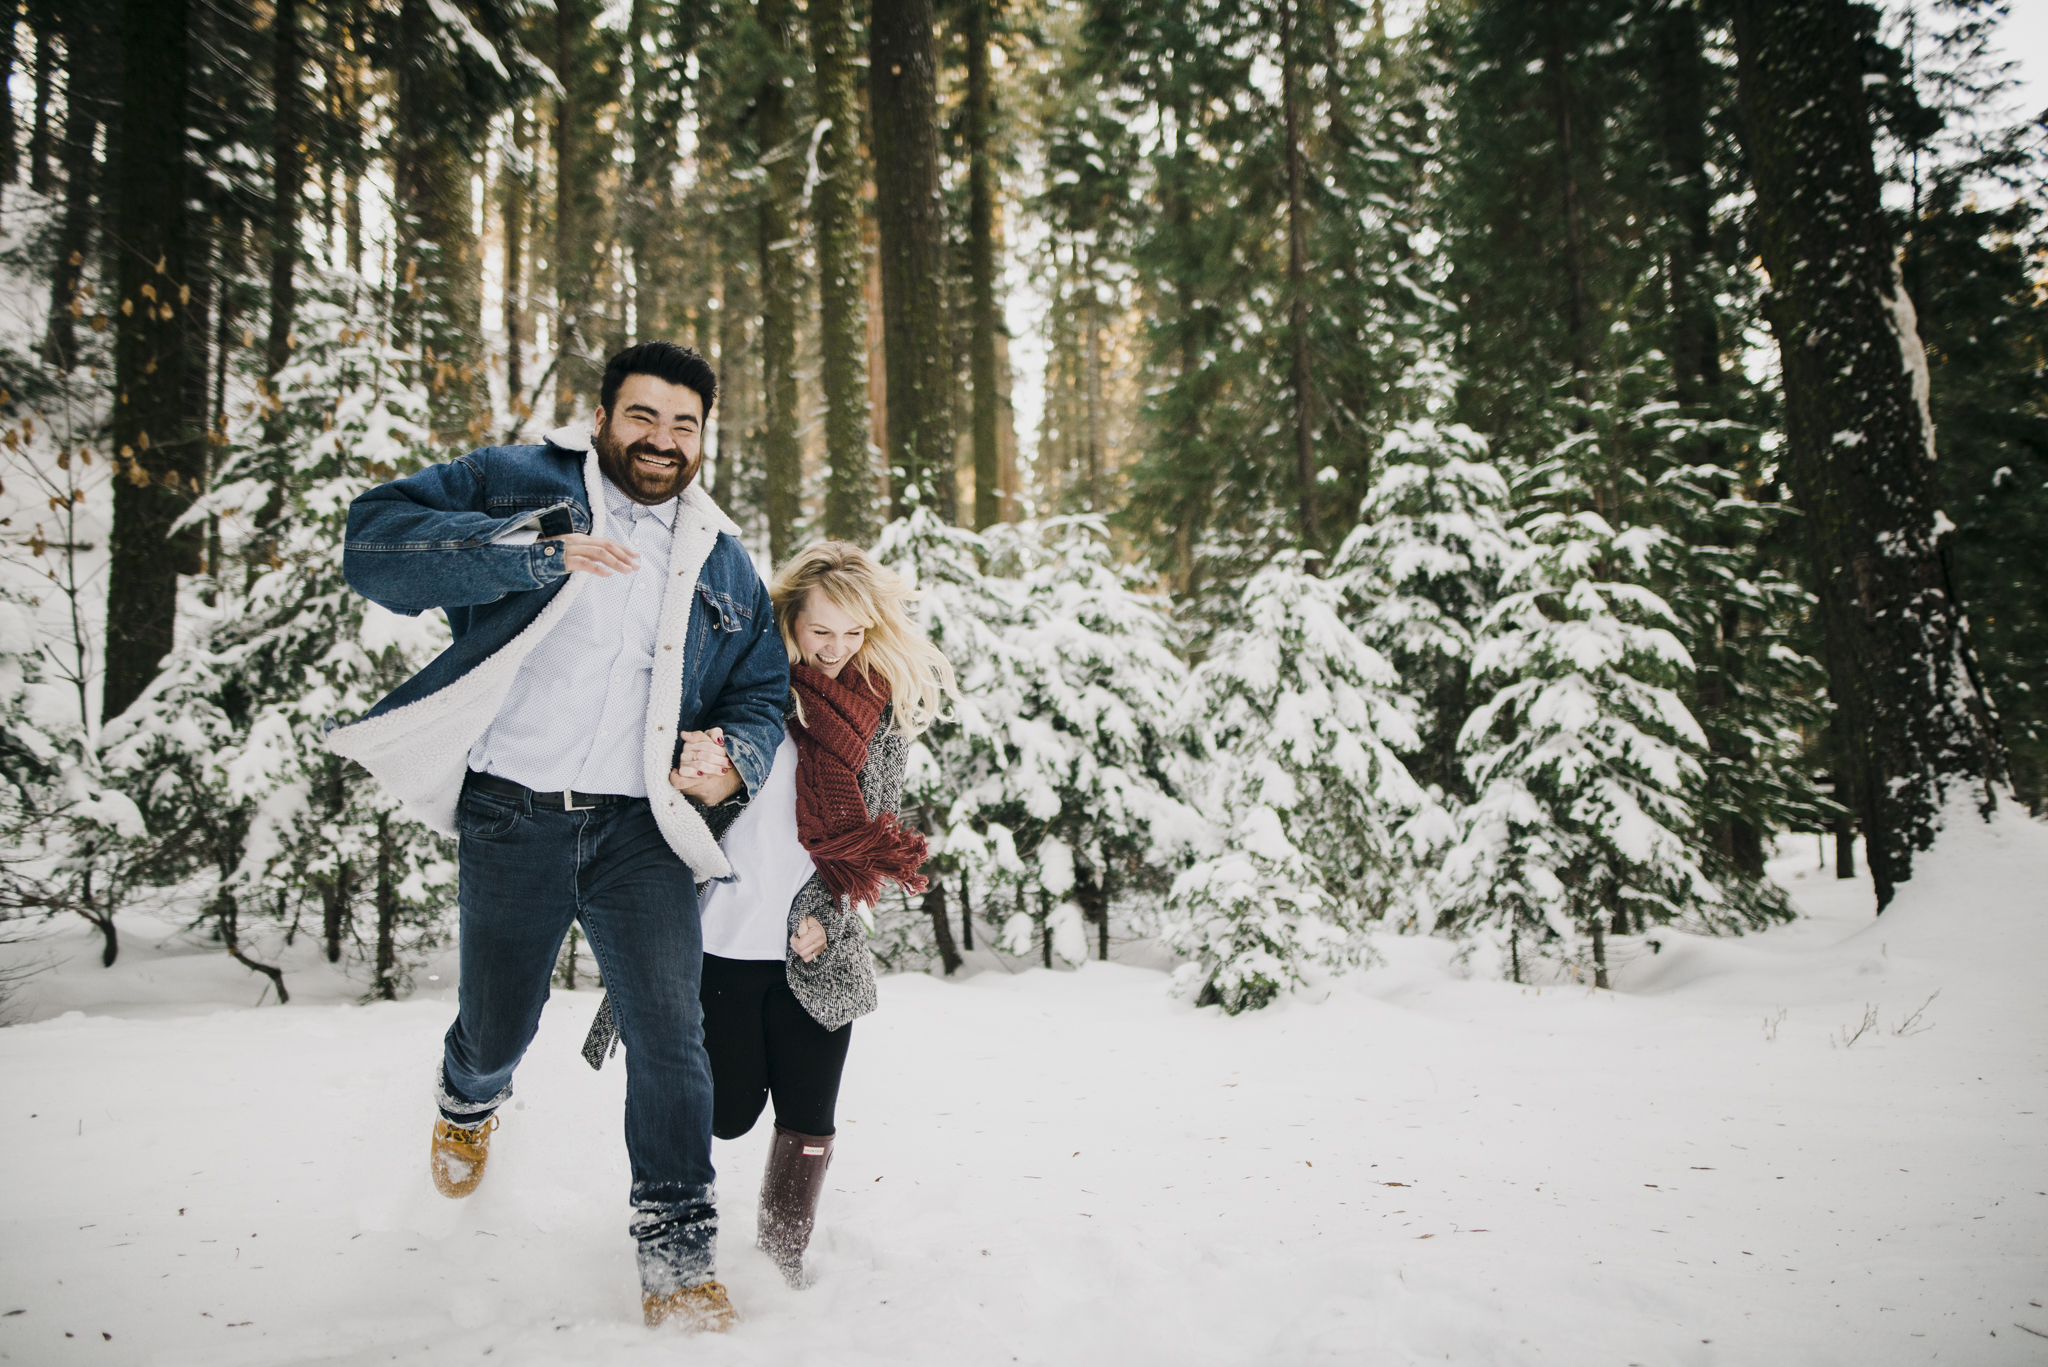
point(563, 800)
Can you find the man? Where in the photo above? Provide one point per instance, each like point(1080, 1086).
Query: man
point(615, 671)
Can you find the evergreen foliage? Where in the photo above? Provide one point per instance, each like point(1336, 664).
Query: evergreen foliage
point(1420, 572)
point(223, 754)
point(1584, 757)
point(1296, 725)
point(1065, 791)
point(1416, 473)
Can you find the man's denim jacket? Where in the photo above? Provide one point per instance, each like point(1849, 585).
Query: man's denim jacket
point(437, 539)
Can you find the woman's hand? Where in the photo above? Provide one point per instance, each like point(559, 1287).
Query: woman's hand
point(809, 940)
point(704, 771)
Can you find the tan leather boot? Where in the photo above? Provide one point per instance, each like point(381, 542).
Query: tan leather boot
point(701, 1309)
point(459, 1155)
point(790, 1189)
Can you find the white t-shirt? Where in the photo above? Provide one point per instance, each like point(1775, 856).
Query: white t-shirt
point(749, 918)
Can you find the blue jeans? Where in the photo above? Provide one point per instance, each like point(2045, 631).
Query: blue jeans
point(527, 873)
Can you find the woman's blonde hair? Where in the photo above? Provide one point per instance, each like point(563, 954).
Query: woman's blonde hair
point(919, 677)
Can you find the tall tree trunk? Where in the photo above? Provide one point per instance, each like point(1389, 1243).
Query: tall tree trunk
point(1297, 285)
point(440, 286)
point(660, 285)
point(1189, 325)
point(1913, 721)
point(878, 360)
point(1678, 78)
point(387, 910)
point(581, 155)
point(842, 276)
point(10, 156)
point(981, 269)
point(737, 372)
point(349, 132)
point(1091, 446)
point(288, 172)
point(90, 41)
point(160, 458)
point(782, 458)
point(1102, 925)
point(636, 197)
point(1008, 478)
point(337, 893)
point(227, 267)
point(335, 896)
point(910, 210)
point(1568, 192)
point(942, 929)
point(517, 175)
point(567, 334)
point(42, 15)
point(732, 369)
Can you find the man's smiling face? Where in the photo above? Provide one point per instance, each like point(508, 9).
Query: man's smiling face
point(652, 441)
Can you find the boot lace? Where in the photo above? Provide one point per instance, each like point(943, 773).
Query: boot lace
point(473, 1135)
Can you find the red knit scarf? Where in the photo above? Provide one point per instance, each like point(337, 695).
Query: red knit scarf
point(852, 853)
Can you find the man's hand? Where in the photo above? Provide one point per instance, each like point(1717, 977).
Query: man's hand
point(705, 771)
point(596, 555)
point(809, 940)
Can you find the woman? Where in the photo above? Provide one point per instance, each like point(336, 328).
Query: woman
point(786, 962)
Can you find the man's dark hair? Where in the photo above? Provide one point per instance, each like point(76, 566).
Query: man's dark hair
point(664, 361)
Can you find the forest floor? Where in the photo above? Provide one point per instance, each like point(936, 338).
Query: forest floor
point(1407, 1165)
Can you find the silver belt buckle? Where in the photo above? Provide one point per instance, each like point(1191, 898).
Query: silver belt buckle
point(569, 803)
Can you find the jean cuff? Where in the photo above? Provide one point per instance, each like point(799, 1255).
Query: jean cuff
point(676, 1227)
point(459, 1110)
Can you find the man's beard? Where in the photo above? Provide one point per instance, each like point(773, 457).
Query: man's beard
point(620, 465)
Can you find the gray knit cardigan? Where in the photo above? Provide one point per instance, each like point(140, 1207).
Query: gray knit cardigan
point(839, 985)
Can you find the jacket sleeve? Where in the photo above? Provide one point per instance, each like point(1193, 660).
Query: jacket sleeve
point(425, 542)
point(749, 703)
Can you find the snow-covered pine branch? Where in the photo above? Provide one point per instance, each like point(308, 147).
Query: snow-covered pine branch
point(1584, 758)
point(1295, 727)
point(224, 747)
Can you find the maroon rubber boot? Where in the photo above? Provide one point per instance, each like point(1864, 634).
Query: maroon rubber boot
point(790, 1189)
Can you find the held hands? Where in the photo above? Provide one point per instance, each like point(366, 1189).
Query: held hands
point(705, 771)
point(809, 940)
point(595, 555)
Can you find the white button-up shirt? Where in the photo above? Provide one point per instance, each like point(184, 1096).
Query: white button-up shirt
point(578, 706)
point(749, 918)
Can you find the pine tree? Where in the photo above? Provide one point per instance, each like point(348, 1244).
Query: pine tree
point(223, 754)
point(1061, 791)
point(1296, 724)
point(966, 615)
point(1583, 758)
point(1421, 570)
point(65, 828)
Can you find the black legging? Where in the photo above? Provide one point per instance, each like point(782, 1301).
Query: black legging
point(761, 1040)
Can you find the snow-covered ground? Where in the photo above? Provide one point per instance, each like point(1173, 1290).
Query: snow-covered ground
point(1408, 1165)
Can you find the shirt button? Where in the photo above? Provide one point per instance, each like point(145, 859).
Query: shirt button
point(549, 551)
